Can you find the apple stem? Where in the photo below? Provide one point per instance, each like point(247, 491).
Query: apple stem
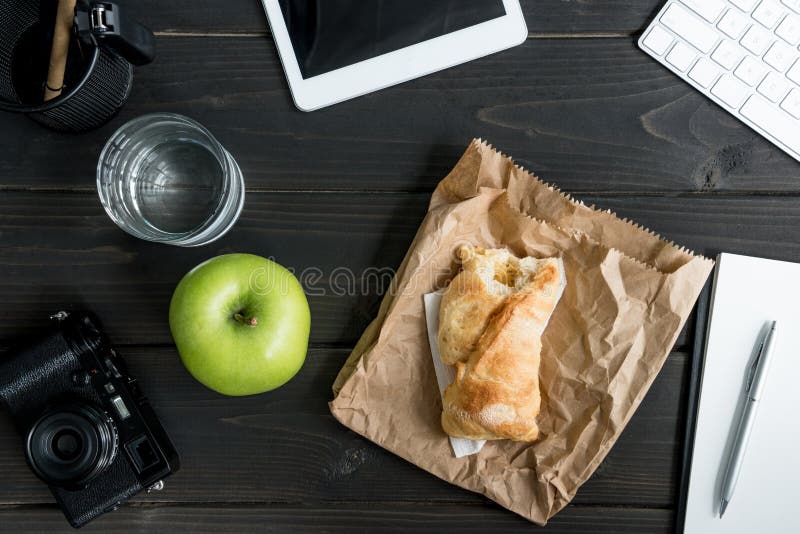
point(249, 321)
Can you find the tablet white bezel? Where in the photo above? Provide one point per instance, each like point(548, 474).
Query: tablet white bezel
point(398, 66)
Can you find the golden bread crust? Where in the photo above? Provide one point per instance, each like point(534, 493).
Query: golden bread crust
point(495, 394)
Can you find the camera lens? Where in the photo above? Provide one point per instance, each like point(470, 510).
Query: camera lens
point(67, 444)
point(70, 446)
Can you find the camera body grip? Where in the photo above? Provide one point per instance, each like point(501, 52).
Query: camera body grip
point(71, 365)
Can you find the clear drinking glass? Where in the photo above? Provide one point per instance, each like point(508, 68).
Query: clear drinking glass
point(164, 178)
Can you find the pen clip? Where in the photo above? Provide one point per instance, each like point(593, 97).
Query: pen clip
point(752, 372)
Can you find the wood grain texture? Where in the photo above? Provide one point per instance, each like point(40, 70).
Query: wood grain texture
point(342, 518)
point(285, 447)
point(347, 187)
point(543, 16)
point(59, 250)
point(586, 114)
point(766, 226)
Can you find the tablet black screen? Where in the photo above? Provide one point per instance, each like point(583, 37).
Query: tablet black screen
point(330, 34)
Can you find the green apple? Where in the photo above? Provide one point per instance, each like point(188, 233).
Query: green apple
point(241, 324)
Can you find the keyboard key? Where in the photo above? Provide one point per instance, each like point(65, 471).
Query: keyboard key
point(744, 54)
point(757, 40)
point(689, 27)
point(681, 56)
point(773, 120)
point(789, 30)
point(733, 24)
point(751, 71)
point(792, 104)
point(793, 5)
point(794, 73)
point(731, 91)
point(780, 56)
point(658, 40)
point(728, 54)
point(708, 9)
point(774, 87)
point(704, 73)
point(744, 5)
point(768, 13)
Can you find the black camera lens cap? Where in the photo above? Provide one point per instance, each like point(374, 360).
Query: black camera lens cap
point(71, 445)
point(67, 444)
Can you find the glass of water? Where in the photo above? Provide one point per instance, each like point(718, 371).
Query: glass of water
point(164, 178)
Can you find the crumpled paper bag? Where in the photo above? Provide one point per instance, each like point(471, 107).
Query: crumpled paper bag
point(628, 294)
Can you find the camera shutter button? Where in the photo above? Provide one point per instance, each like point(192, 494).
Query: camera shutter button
point(81, 378)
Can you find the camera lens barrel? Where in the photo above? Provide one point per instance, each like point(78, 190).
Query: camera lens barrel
point(72, 445)
point(77, 407)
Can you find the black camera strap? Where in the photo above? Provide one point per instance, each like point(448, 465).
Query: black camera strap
point(103, 24)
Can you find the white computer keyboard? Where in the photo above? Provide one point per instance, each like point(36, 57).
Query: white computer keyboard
point(743, 54)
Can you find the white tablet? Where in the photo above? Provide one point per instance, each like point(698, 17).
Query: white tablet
point(333, 50)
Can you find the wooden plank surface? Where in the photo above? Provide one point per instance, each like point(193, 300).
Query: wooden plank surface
point(347, 187)
point(543, 16)
point(284, 446)
point(586, 114)
point(60, 249)
point(342, 518)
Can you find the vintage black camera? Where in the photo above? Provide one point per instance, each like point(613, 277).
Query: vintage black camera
point(88, 431)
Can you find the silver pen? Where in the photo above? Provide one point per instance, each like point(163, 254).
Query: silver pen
point(753, 390)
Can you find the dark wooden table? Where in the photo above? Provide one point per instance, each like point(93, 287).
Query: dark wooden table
point(347, 186)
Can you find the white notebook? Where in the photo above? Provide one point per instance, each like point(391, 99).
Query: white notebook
point(747, 293)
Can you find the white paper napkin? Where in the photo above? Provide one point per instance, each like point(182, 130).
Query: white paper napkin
point(445, 373)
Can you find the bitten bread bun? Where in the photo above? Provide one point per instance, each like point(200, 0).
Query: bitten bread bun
point(492, 318)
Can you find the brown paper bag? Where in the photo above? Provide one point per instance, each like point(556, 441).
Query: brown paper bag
point(627, 297)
